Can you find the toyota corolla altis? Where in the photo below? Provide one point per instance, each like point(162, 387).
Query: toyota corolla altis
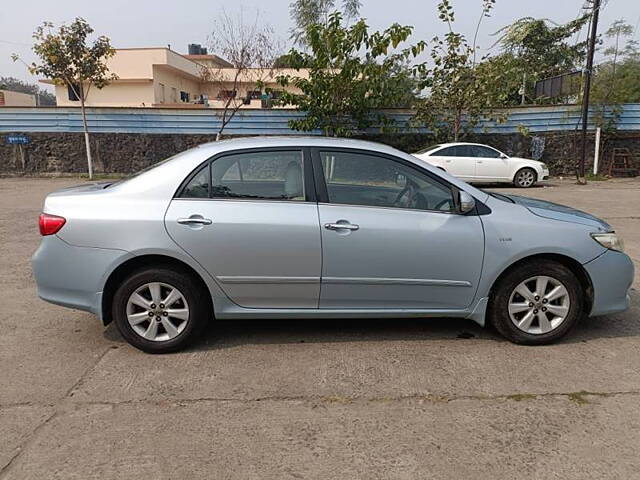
point(320, 228)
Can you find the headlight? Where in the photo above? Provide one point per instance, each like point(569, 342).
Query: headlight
point(609, 240)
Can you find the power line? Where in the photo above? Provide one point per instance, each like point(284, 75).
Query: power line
point(15, 43)
point(580, 13)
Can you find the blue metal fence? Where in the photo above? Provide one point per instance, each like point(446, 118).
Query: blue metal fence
point(264, 122)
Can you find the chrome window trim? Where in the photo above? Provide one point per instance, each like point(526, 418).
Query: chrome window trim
point(415, 210)
point(246, 200)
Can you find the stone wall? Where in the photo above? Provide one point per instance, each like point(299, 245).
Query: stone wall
point(56, 153)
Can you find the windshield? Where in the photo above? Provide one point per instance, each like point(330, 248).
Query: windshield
point(428, 149)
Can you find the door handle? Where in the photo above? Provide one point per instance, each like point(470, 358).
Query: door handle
point(341, 226)
point(193, 220)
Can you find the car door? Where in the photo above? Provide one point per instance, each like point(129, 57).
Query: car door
point(491, 165)
point(391, 237)
point(458, 161)
point(251, 220)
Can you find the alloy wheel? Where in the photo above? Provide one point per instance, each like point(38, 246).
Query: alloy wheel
point(157, 311)
point(526, 178)
point(539, 305)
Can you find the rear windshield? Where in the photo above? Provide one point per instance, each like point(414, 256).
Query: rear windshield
point(428, 149)
point(140, 172)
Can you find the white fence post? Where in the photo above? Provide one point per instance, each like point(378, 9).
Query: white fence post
point(596, 156)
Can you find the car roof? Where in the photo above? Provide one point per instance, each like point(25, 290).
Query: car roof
point(453, 144)
point(297, 141)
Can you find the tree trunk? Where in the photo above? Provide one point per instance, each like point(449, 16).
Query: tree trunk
point(218, 136)
point(86, 132)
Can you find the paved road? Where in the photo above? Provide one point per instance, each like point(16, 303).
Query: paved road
point(393, 399)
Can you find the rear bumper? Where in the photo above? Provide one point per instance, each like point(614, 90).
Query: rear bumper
point(73, 276)
point(612, 276)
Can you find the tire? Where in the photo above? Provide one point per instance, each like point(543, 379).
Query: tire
point(177, 324)
point(505, 297)
point(525, 178)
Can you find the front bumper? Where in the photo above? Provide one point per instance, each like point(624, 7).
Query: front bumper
point(611, 276)
point(544, 174)
point(73, 276)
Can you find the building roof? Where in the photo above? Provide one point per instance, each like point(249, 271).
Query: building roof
point(214, 58)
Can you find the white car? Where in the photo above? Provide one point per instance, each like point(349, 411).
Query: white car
point(476, 163)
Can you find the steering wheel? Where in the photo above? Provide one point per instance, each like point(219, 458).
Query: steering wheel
point(410, 197)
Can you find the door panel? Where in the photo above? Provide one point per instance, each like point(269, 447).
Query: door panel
point(489, 164)
point(458, 160)
point(492, 168)
point(390, 237)
point(263, 254)
point(399, 258)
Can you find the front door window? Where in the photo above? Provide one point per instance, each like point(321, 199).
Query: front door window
point(362, 179)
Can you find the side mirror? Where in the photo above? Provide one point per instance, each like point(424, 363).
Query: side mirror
point(467, 202)
point(503, 156)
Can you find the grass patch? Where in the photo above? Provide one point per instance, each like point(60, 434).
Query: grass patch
point(597, 177)
point(518, 397)
point(578, 397)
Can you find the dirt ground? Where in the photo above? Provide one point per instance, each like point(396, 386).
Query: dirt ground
point(387, 399)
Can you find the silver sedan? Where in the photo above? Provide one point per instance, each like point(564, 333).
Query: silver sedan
point(319, 228)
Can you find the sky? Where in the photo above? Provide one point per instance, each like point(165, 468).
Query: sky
point(154, 23)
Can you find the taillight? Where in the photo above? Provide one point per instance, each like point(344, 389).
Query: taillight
point(50, 224)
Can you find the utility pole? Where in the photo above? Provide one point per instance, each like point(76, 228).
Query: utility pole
point(523, 89)
point(593, 35)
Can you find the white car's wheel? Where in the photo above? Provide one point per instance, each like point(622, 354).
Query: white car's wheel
point(525, 178)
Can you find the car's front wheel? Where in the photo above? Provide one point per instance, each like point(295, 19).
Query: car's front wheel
point(525, 178)
point(160, 310)
point(536, 303)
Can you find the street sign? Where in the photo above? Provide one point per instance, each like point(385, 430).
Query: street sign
point(17, 139)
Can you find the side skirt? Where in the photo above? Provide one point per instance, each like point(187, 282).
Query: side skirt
point(227, 310)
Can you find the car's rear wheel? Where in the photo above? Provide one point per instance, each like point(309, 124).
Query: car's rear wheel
point(536, 303)
point(525, 178)
point(159, 310)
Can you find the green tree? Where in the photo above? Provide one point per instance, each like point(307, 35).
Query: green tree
point(458, 94)
point(616, 80)
point(617, 77)
point(350, 76)
point(67, 59)
point(305, 13)
point(17, 85)
point(533, 49)
point(282, 61)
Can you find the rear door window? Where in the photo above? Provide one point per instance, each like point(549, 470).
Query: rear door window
point(270, 175)
point(455, 151)
point(485, 152)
